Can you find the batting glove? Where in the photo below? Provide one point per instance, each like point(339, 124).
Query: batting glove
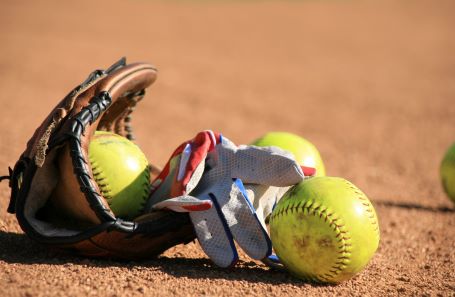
point(219, 185)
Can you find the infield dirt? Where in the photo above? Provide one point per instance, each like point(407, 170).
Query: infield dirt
point(370, 83)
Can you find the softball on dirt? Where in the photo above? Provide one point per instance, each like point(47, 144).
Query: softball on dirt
point(447, 171)
point(121, 171)
point(305, 153)
point(324, 229)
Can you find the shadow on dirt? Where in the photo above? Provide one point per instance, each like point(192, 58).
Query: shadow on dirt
point(407, 205)
point(18, 248)
point(246, 271)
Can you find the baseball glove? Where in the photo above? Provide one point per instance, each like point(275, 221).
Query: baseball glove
point(53, 192)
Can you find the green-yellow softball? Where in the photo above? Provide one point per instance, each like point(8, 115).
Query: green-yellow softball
point(121, 171)
point(324, 229)
point(447, 171)
point(305, 153)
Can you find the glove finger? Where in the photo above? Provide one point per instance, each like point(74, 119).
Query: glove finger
point(246, 227)
point(184, 204)
point(308, 171)
point(214, 236)
point(267, 166)
point(264, 198)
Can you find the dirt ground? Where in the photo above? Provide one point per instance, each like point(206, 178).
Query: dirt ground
point(370, 83)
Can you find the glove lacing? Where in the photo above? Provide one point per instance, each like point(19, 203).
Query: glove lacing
point(8, 177)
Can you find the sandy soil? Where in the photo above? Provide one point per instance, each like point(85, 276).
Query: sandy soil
point(370, 83)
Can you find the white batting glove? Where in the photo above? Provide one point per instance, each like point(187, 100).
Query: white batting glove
point(266, 172)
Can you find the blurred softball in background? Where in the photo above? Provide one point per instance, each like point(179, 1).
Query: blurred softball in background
point(447, 171)
point(305, 153)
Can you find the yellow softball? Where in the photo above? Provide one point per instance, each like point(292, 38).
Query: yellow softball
point(447, 171)
point(121, 171)
point(305, 153)
point(324, 229)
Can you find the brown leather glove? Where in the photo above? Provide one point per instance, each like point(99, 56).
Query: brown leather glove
point(53, 192)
